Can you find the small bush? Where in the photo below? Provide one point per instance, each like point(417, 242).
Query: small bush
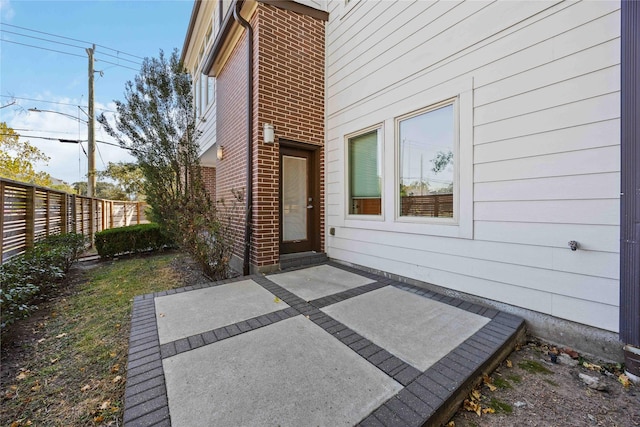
point(27, 277)
point(131, 239)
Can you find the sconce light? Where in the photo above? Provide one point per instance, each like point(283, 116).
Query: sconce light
point(219, 152)
point(269, 136)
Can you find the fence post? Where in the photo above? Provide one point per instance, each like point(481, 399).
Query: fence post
point(138, 213)
point(30, 217)
point(47, 217)
point(63, 214)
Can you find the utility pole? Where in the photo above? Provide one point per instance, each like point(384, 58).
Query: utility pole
point(91, 173)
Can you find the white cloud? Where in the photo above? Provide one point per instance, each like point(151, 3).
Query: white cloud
point(6, 11)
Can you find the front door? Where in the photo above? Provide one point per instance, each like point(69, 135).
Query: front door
point(298, 205)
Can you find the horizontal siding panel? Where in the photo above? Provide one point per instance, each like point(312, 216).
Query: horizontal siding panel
point(597, 160)
point(591, 135)
point(597, 212)
point(602, 264)
point(594, 186)
point(355, 39)
point(587, 86)
point(591, 237)
point(535, 256)
point(596, 109)
point(580, 63)
point(570, 284)
point(521, 297)
point(499, 65)
point(581, 26)
point(462, 26)
point(590, 313)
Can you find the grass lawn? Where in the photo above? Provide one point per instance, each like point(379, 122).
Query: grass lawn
point(65, 366)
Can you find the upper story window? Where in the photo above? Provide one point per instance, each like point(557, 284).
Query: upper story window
point(427, 162)
point(364, 165)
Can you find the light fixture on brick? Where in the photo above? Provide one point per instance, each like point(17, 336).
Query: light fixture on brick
point(219, 152)
point(269, 136)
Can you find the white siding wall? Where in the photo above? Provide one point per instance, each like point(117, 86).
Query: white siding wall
point(544, 138)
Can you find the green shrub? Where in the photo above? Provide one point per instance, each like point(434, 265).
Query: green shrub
point(27, 277)
point(131, 239)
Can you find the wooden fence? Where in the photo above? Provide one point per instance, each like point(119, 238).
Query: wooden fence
point(30, 213)
point(432, 205)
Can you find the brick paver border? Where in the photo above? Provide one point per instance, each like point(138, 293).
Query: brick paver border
point(426, 396)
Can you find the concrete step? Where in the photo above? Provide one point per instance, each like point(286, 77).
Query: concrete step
point(302, 259)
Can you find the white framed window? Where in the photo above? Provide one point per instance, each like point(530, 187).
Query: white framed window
point(427, 170)
point(364, 172)
point(211, 89)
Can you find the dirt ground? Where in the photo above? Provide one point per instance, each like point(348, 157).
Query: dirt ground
point(529, 389)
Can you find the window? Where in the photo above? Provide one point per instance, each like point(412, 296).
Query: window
point(211, 88)
point(427, 162)
point(365, 174)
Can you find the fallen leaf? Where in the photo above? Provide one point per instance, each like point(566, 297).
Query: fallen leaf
point(62, 335)
point(36, 387)
point(451, 424)
point(98, 419)
point(488, 411)
point(13, 387)
point(161, 314)
point(624, 380)
point(28, 423)
point(117, 325)
point(112, 355)
point(85, 387)
point(115, 368)
point(509, 364)
point(489, 382)
point(276, 300)
point(471, 406)
point(15, 424)
point(41, 340)
point(475, 394)
point(22, 375)
point(54, 360)
point(572, 353)
point(119, 293)
point(592, 366)
point(116, 379)
point(105, 404)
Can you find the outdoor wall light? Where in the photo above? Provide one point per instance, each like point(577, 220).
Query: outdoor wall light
point(269, 135)
point(219, 152)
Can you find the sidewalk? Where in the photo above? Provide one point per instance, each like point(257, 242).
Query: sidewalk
point(326, 345)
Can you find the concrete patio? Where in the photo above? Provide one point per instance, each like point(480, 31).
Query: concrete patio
point(326, 345)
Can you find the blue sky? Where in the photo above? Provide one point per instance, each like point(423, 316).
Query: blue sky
point(59, 81)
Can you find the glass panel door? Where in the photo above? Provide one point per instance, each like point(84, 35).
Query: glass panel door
point(294, 198)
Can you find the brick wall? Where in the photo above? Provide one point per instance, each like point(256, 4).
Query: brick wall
point(288, 93)
point(289, 66)
point(209, 180)
point(231, 134)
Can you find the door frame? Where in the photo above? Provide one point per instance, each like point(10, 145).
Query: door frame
point(314, 180)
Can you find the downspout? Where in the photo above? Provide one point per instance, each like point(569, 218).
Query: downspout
point(249, 197)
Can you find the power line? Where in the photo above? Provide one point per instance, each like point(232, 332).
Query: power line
point(76, 141)
point(43, 39)
point(69, 44)
point(43, 48)
point(72, 39)
point(117, 65)
point(53, 102)
point(67, 53)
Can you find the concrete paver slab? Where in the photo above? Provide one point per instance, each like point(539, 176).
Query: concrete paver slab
point(317, 282)
point(185, 314)
point(418, 330)
point(291, 373)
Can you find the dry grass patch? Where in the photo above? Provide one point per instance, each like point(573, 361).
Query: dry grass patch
point(66, 365)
